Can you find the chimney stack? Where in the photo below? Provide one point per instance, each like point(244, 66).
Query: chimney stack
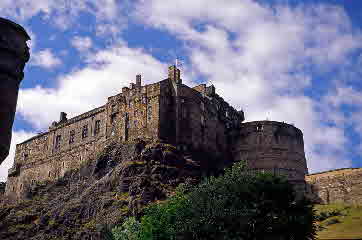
point(138, 80)
point(174, 74)
point(63, 117)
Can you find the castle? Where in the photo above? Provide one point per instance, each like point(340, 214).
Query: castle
point(169, 111)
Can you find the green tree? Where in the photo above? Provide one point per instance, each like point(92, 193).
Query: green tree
point(130, 230)
point(236, 205)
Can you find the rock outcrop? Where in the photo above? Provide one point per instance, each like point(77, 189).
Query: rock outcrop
point(120, 182)
point(336, 186)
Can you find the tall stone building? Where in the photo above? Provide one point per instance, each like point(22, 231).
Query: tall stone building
point(191, 118)
point(14, 53)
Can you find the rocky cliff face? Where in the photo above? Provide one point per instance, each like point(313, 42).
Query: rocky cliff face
point(341, 185)
point(2, 190)
point(118, 183)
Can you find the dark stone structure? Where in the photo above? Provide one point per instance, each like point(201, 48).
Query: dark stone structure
point(271, 146)
point(14, 53)
point(192, 119)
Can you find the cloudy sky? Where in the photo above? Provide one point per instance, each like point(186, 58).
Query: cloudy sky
point(293, 61)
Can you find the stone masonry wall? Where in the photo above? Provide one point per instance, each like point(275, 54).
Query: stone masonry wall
point(342, 185)
point(272, 147)
point(44, 158)
point(134, 113)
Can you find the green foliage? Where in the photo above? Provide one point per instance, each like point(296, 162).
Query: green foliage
point(349, 219)
point(327, 214)
point(128, 231)
point(236, 205)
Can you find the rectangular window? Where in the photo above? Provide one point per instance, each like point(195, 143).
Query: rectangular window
point(97, 127)
point(71, 136)
point(57, 141)
point(135, 113)
point(113, 118)
point(149, 113)
point(135, 123)
point(85, 131)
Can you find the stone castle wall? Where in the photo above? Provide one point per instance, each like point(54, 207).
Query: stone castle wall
point(272, 147)
point(43, 158)
point(167, 110)
point(337, 186)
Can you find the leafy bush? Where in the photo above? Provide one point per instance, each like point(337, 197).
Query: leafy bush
point(236, 205)
point(327, 214)
point(128, 231)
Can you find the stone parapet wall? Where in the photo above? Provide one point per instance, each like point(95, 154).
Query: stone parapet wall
point(342, 185)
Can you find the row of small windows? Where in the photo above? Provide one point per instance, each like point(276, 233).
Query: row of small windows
point(97, 127)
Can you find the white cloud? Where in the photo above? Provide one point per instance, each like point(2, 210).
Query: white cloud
point(82, 43)
point(263, 59)
point(18, 137)
point(106, 72)
point(45, 58)
point(63, 13)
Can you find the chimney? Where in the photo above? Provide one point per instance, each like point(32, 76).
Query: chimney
point(63, 117)
point(138, 80)
point(210, 91)
point(174, 74)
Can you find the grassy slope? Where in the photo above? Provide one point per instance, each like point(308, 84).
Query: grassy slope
point(350, 225)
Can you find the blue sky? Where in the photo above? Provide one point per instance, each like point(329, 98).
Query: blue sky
point(293, 61)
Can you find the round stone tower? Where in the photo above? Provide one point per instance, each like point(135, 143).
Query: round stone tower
point(14, 53)
point(274, 147)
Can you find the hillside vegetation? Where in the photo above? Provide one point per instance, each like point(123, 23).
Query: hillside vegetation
point(339, 221)
point(234, 205)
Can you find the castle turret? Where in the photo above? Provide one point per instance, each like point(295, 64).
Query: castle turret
point(14, 53)
point(273, 147)
point(138, 80)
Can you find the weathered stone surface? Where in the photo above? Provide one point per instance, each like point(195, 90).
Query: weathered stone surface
point(341, 185)
point(2, 191)
point(274, 147)
point(14, 53)
point(166, 111)
point(116, 183)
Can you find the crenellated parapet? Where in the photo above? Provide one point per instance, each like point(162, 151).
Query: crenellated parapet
point(14, 53)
